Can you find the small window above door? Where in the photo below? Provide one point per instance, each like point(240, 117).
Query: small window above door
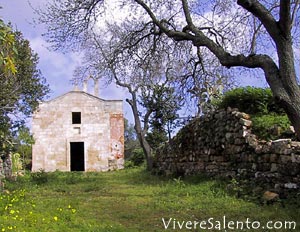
point(76, 117)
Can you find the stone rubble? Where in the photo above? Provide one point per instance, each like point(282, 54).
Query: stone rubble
point(5, 168)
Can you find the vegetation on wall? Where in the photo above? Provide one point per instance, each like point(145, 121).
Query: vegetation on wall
point(251, 100)
point(271, 126)
point(269, 119)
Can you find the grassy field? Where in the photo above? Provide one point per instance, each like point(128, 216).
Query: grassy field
point(132, 200)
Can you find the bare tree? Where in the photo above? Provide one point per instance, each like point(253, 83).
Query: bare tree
point(135, 68)
point(70, 25)
point(279, 71)
point(250, 33)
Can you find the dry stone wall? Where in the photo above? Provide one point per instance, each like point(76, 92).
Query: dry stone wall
point(221, 143)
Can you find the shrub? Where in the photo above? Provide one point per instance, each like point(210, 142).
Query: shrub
point(137, 157)
point(264, 123)
point(129, 164)
point(16, 163)
point(40, 177)
point(266, 114)
point(251, 100)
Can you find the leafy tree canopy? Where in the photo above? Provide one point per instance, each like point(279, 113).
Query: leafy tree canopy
point(8, 49)
point(21, 83)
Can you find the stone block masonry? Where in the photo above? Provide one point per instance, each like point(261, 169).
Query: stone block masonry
point(221, 143)
point(78, 132)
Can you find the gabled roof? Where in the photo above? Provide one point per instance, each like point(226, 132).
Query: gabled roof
point(80, 92)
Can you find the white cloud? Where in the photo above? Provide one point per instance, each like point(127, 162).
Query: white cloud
point(56, 67)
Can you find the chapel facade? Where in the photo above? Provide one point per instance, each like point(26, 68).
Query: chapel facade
point(78, 131)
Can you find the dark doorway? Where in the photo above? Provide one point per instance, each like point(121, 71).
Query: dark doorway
point(77, 156)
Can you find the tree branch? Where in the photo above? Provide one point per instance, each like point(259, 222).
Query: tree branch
point(285, 22)
point(187, 14)
point(294, 12)
point(199, 39)
point(146, 121)
point(176, 35)
point(254, 37)
point(262, 13)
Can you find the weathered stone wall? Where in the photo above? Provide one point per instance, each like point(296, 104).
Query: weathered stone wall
point(101, 130)
point(221, 143)
point(5, 168)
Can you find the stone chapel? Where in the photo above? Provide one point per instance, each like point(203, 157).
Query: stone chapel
point(78, 131)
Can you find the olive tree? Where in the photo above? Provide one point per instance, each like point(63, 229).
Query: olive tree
point(71, 22)
point(139, 69)
point(251, 34)
point(21, 83)
point(274, 21)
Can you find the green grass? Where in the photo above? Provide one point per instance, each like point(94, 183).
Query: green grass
point(127, 200)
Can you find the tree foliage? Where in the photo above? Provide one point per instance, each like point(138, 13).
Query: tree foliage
point(273, 23)
point(21, 87)
point(268, 117)
point(163, 101)
point(8, 49)
point(133, 44)
point(23, 146)
point(22, 91)
point(131, 142)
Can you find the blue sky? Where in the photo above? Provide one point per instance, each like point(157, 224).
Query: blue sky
point(57, 67)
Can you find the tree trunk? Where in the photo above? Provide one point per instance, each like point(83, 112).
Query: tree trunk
point(143, 142)
point(287, 71)
point(292, 109)
point(284, 86)
point(280, 76)
point(141, 131)
point(293, 112)
point(147, 151)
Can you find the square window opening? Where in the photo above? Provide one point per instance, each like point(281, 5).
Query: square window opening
point(76, 117)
